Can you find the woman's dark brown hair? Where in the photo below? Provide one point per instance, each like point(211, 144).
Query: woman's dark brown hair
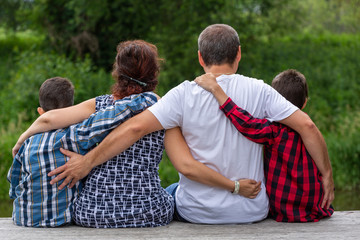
point(136, 68)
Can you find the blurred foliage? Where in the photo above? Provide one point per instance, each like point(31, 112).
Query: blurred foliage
point(8, 138)
point(33, 68)
point(329, 62)
point(77, 39)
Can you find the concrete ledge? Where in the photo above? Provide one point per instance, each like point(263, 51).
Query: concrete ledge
point(342, 225)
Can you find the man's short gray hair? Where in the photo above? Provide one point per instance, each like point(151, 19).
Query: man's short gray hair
point(218, 44)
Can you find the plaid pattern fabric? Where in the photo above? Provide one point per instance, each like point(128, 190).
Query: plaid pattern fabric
point(125, 191)
point(293, 182)
point(36, 202)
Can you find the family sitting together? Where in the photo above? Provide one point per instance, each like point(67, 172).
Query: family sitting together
point(244, 150)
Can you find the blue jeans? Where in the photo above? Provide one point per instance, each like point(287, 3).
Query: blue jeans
point(172, 190)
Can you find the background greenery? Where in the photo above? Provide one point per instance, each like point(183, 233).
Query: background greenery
point(77, 39)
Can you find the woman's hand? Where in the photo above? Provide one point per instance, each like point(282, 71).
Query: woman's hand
point(16, 148)
point(249, 188)
point(74, 170)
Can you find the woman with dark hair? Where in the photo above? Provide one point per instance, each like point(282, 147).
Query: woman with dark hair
point(125, 191)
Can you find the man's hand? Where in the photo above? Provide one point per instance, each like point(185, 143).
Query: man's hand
point(329, 195)
point(249, 188)
point(74, 170)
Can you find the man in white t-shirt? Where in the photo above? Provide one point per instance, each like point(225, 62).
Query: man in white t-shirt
point(211, 138)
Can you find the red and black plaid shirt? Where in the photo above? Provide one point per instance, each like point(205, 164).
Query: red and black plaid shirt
point(293, 182)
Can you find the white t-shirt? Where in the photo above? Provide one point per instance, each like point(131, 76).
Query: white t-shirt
point(214, 141)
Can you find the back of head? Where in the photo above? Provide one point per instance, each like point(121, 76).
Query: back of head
point(136, 68)
point(292, 85)
point(56, 93)
point(218, 44)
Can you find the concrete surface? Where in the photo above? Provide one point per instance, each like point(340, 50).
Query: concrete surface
point(342, 225)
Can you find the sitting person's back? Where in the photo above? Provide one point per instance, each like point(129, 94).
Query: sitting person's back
point(36, 202)
point(125, 191)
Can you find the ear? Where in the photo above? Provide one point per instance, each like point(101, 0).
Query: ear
point(304, 104)
point(201, 60)
point(40, 110)
point(238, 55)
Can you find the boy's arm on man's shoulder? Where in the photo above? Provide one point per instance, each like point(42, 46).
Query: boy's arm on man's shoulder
point(255, 129)
point(316, 146)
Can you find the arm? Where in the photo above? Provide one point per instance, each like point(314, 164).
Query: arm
point(180, 156)
point(316, 146)
point(255, 129)
point(208, 82)
point(95, 128)
point(57, 118)
point(14, 174)
point(116, 142)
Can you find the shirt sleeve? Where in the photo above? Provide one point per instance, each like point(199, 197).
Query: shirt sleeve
point(168, 110)
point(276, 106)
point(257, 130)
point(94, 129)
point(14, 174)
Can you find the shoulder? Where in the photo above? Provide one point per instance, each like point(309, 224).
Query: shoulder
point(249, 80)
point(248, 85)
point(186, 87)
point(103, 101)
point(148, 97)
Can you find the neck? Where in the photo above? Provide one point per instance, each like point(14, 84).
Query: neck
point(218, 70)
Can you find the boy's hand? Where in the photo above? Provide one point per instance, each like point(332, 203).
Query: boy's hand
point(208, 82)
point(249, 188)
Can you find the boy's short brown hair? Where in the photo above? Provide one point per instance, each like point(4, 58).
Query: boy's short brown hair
point(56, 93)
point(292, 85)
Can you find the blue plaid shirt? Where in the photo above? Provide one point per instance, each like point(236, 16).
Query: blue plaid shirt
point(36, 202)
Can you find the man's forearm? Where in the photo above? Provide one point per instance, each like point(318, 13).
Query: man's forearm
point(182, 159)
point(316, 146)
point(312, 139)
point(123, 137)
point(180, 156)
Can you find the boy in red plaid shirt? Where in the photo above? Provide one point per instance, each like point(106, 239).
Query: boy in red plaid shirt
point(293, 182)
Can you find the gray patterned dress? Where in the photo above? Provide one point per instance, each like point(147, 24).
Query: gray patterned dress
point(125, 191)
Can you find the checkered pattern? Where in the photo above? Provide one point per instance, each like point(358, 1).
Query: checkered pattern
point(36, 202)
point(125, 191)
point(293, 182)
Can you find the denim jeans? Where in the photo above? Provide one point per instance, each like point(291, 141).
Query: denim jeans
point(172, 190)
